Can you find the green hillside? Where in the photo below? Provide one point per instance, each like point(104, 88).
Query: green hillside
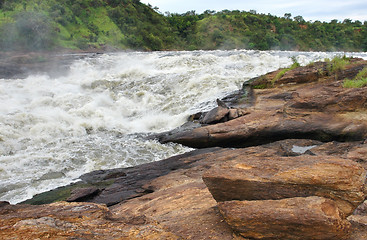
point(82, 24)
point(129, 24)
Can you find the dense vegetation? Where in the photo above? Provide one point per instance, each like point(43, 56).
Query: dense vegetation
point(129, 24)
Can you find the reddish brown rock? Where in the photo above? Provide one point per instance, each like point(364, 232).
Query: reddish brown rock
point(308, 74)
point(168, 201)
point(216, 115)
point(291, 218)
point(264, 126)
point(319, 109)
point(262, 178)
point(64, 220)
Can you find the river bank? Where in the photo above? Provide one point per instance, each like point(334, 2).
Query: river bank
point(300, 151)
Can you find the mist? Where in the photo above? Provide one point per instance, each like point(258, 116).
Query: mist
point(30, 31)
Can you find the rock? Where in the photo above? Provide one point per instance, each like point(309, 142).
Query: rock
point(64, 220)
point(362, 209)
point(215, 115)
point(318, 110)
point(359, 154)
point(291, 218)
point(4, 203)
point(262, 127)
point(233, 113)
point(81, 194)
point(307, 74)
point(324, 113)
point(272, 178)
point(359, 227)
point(221, 103)
point(168, 201)
point(120, 184)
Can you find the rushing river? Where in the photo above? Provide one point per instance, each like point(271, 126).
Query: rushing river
point(95, 116)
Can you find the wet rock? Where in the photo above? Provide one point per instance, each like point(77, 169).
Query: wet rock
point(81, 194)
point(221, 103)
point(242, 98)
point(4, 203)
point(291, 218)
point(263, 178)
point(118, 185)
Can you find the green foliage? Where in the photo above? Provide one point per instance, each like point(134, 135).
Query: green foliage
point(131, 24)
point(337, 64)
point(359, 81)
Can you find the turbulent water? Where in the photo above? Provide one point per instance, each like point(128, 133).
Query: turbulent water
point(95, 116)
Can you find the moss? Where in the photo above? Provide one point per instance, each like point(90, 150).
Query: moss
point(62, 193)
point(260, 86)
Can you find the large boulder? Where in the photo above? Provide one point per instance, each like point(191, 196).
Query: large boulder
point(272, 178)
point(291, 218)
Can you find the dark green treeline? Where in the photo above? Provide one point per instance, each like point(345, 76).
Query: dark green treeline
point(129, 24)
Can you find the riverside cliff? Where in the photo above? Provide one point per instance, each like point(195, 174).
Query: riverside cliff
point(282, 158)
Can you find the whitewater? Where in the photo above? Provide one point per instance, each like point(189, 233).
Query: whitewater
point(97, 114)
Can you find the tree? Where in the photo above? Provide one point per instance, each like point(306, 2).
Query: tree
point(288, 16)
point(299, 19)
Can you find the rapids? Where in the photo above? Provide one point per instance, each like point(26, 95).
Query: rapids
point(95, 115)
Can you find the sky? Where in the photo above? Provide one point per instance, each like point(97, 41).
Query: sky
point(311, 10)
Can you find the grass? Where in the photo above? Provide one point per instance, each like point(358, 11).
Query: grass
point(285, 70)
point(337, 64)
point(359, 81)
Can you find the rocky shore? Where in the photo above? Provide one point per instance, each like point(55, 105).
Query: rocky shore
point(285, 157)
